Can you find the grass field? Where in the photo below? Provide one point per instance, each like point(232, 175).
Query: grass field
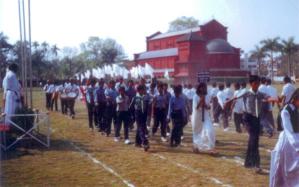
point(78, 157)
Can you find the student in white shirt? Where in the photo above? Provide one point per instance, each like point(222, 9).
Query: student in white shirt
point(287, 90)
point(49, 88)
point(222, 98)
point(215, 106)
point(229, 95)
point(238, 108)
point(273, 94)
point(266, 121)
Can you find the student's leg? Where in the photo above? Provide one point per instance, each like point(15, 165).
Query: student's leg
point(252, 154)
point(238, 121)
point(118, 124)
point(156, 121)
point(90, 114)
point(163, 123)
point(126, 125)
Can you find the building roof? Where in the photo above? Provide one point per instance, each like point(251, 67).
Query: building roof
point(169, 34)
point(219, 46)
point(191, 36)
point(158, 53)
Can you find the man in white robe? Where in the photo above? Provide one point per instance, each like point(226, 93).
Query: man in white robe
point(11, 96)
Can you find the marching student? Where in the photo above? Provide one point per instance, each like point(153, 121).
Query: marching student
point(222, 99)
point(90, 103)
point(122, 115)
point(120, 83)
point(54, 98)
point(110, 110)
point(202, 129)
point(273, 94)
point(72, 94)
point(131, 93)
point(177, 113)
point(159, 110)
point(266, 125)
point(254, 102)
point(100, 105)
point(229, 95)
point(215, 106)
point(49, 88)
point(284, 170)
point(287, 91)
point(150, 96)
point(168, 96)
point(63, 98)
point(140, 106)
point(238, 108)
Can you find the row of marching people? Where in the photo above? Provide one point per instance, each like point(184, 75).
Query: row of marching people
point(224, 111)
point(66, 91)
point(124, 104)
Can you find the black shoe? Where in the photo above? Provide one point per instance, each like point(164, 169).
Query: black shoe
point(146, 147)
point(138, 145)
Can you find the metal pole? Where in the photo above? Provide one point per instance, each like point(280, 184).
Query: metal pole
point(21, 42)
point(30, 58)
point(25, 56)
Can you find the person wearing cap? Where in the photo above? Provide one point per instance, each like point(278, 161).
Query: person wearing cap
point(284, 170)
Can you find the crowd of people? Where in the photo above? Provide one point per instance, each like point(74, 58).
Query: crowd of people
point(152, 106)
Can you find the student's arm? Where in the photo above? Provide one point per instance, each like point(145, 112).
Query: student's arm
point(169, 108)
point(288, 130)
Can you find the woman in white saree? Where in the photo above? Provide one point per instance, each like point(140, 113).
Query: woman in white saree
point(284, 171)
point(203, 130)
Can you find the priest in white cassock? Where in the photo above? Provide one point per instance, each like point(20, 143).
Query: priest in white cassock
point(285, 156)
point(203, 130)
point(11, 96)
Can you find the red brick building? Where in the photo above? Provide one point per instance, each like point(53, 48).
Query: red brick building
point(186, 53)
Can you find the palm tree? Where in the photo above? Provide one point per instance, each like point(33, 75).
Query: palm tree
point(54, 50)
point(289, 48)
point(258, 53)
point(271, 46)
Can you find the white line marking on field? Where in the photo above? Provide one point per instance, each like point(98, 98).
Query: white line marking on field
point(106, 167)
point(196, 171)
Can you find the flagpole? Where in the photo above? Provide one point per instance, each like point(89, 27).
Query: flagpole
point(30, 57)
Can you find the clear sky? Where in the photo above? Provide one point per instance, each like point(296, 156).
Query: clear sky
point(70, 22)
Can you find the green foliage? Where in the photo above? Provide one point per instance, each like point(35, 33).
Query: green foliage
point(50, 62)
point(182, 23)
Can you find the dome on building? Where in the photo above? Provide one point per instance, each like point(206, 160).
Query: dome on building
point(219, 46)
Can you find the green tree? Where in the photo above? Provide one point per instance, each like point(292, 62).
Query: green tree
point(271, 46)
point(258, 54)
point(289, 48)
point(5, 50)
point(182, 23)
point(111, 52)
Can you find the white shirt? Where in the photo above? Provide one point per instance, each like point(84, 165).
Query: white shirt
point(49, 88)
point(214, 92)
point(287, 91)
point(221, 96)
point(272, 92)
point(238, 107)
point(229, 93)
point(263, 88)
point(190, 93)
